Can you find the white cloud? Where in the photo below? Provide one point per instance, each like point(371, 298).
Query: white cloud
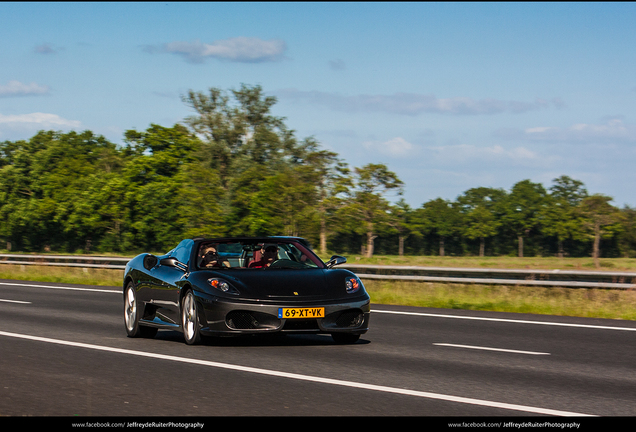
point(613, 130)
point(43, 120)
point(453, 155)
point(414, 104)
point(539, 130)
point(239, 49)
point(396, 147)
point(16, 88)
point(47, 48)
point(23, 126)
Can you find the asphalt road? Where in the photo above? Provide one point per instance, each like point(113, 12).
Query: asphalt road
point(64, 352)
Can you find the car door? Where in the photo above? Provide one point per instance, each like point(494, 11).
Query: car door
point(168, 287)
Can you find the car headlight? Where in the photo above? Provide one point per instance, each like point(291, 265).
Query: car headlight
point(352, 284)
point(222, 285)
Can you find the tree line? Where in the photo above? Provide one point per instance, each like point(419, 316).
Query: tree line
point(233, 168)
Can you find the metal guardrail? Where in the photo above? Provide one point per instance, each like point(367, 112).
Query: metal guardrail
point(530, 277)
point(489, 276)
point(65, 261)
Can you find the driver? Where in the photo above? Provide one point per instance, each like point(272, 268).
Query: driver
point(269, 256)
point(211, 258)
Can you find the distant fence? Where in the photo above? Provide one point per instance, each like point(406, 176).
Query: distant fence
point(528, 277)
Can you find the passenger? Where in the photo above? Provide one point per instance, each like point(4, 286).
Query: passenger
point(210, 258)
point(270, 255)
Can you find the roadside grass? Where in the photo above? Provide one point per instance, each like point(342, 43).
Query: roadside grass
point(578, 302)
point(66, 275)
point(591, 303)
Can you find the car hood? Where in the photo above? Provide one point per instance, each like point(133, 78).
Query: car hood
point(289, 284)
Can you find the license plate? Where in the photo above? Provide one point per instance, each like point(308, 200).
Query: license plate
point(301, 312)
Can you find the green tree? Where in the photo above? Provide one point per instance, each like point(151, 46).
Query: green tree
point(236, 129)
point(106, 193)
point(600, 220)
point(480, 223)
point(161, 165)
point(558, 217)
point(251, 151)
point(46, 186)
point(481, 210)
point(522, 209)
point(627, 239)
point(200, 209)
point(369, 208)
point(221, 127)
point(404, 220)
point(440, 218)
point(331, 178)
point(283, 204)
point(569, 190)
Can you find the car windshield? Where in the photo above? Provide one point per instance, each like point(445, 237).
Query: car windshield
point(253, 254)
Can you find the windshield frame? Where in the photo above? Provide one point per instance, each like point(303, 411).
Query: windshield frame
point(290, 251)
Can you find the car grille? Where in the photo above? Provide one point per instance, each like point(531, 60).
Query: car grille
point(301, 324)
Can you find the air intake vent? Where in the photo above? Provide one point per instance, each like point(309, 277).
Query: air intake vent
point(350, 318)
point(247, 320)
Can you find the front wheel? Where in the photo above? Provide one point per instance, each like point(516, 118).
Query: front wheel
point(190, 319)
point(131, 315)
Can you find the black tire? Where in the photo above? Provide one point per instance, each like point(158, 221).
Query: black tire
point(345, 338)
point(132, 311)
point(190, 319)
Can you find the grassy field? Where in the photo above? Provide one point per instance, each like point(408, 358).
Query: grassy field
point(67, 275)
point(597, 303)
point(591, 303)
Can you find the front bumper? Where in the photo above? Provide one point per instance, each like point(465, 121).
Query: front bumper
point(223, 317)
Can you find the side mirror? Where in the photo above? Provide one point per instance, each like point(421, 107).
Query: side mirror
point(173, 262)
point(150, 261)
point(336, 260)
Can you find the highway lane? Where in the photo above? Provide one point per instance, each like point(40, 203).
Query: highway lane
point(413, 361)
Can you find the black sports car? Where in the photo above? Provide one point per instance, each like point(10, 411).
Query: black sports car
point(250, 285)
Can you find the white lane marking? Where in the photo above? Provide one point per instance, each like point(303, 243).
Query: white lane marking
point(550, 323)
point(61, 287)
point(14, 301)
point(301, 377)
point(491, 349)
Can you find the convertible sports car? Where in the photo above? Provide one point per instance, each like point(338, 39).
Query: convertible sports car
point(248, 285)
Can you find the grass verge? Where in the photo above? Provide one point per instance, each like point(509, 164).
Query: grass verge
point(579, 302)
point(67, 275)
point(591, 303)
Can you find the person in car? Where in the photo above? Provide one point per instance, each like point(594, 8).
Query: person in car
point(269, 256)
point(210, 258)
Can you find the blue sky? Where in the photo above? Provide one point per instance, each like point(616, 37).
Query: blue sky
point(449, 95)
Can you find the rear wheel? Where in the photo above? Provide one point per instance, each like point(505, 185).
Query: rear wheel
point(345, 338)
point(190, 319)
point(132, 311)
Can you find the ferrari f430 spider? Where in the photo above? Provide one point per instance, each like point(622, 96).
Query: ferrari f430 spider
point(248, 285)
